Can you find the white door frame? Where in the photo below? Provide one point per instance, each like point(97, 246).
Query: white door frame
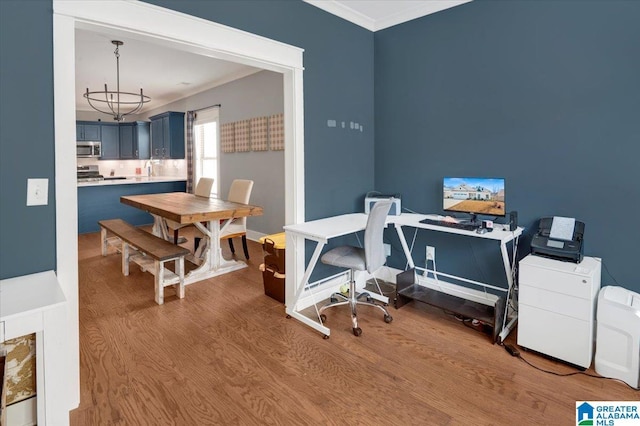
point(177, 30)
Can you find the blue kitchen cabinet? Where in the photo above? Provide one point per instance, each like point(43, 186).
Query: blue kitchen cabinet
point(110, 141)
point(167, 135)
point(134, 140)
point(101, 202)
point(87, 131)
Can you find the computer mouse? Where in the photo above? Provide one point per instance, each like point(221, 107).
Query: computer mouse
point(481, 230)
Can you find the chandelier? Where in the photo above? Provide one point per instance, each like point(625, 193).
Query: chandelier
point(116, 103)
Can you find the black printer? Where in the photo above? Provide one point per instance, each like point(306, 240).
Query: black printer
point(567, 247)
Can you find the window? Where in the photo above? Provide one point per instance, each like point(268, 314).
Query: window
point(205, 150)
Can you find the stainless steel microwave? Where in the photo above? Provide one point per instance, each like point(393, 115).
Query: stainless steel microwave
point(88, 149)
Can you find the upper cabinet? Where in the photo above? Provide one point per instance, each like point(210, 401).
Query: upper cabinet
point(120, 141)
point(110, 141)
point(135, 140)
point(167, 135)
point(87, 131)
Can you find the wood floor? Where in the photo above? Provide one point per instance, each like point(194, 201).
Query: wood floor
point(226, 354)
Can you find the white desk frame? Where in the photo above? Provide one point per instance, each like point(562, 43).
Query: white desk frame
point(502, 236)
point(36, 304)
point(322, 230)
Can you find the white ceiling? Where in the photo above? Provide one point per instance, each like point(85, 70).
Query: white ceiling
point(377, 15)
point(168, 74)
point(165, 74)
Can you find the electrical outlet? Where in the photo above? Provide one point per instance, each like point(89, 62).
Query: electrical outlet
point(387, 250)
point(431, 253)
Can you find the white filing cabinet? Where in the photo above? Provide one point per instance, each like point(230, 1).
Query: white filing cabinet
point(556, 307)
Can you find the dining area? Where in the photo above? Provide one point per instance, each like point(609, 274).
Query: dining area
point(211, 219)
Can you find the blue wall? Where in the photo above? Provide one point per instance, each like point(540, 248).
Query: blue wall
point(338, 82)
point(27, 234)
point(545, 94)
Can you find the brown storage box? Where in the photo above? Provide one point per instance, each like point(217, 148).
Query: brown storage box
point(273, 286)
point(273, 269)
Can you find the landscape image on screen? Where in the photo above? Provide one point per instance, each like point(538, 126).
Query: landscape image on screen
point(474, 195)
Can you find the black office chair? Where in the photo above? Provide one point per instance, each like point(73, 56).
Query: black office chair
point(370, 259)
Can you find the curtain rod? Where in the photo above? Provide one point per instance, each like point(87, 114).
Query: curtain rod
point(207, 107)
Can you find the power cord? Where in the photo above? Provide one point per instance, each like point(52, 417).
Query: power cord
point(513, 351)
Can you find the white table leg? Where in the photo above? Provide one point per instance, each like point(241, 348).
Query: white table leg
point(103, 237)
point(292, 307)
point(160, 228)
point(209, 252)
point(405, 247)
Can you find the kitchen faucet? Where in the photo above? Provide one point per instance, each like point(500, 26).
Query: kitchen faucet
point(149, 166)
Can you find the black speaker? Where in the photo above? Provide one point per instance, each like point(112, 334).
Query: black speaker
point(513, 220)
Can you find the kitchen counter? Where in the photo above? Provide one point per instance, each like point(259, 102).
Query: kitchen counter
point(101, 200)
point(132, 180)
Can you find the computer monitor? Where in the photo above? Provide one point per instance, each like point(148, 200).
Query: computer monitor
point(475, 196)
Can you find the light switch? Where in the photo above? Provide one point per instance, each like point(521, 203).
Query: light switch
point(37, 192)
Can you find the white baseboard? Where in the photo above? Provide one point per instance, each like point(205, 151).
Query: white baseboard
point(255, 235)
point(23, 413)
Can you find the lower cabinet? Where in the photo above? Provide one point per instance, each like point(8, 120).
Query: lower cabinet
point(556, 307)
point(99, 202)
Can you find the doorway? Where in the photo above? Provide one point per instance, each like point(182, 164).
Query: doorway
point(182, 32)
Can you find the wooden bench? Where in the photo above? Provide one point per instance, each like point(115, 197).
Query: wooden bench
point(151, 254)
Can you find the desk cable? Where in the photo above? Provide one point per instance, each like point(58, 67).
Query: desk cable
point(513, 351)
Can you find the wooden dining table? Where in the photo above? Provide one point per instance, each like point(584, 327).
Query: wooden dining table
point(210, 216)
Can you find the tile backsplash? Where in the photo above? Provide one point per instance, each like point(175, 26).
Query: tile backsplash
point(169, 168)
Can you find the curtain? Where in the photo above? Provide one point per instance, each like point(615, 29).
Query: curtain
point(191, 115)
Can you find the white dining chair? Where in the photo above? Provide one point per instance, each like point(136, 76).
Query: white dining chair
point(239, 192)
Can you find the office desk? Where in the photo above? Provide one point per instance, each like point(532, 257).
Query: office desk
point(500, 236)
point(322, 230)
point(186, 208)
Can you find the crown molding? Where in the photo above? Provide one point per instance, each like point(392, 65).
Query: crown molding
point(338, 8)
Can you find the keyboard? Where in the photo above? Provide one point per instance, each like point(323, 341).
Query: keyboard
point(457, 225)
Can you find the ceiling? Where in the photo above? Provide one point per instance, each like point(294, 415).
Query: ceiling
point(168, 74)
point(377, 15)
point(165, 74)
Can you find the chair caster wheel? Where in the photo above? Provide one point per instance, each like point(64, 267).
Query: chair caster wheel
point(325, 337)
point(323, 318)
point(388, 318)
point(357, 331)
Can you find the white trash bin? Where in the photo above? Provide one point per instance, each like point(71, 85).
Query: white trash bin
point(618, 335)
